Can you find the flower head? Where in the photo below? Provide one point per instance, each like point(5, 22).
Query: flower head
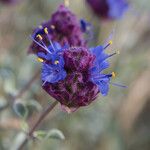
point(109, 9)
point(73, 75)
point(63, 27)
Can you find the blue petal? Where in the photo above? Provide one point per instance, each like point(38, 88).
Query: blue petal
point(57, 46)
point(85, 25)
point(103, 87)
point(52, 74)
point(104, 65)
point(117, 8)
point(43, 55)
point(97, 50)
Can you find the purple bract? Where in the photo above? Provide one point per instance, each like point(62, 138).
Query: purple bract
point(76, 89)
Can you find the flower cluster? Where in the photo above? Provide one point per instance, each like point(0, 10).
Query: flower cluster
point(108, 9)
point(71, 73)
point(63, 27)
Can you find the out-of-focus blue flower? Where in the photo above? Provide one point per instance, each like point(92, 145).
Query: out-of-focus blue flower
point(9, 1)
point(118, 7)
point(63, 27)
point(87, 28)
point(109, 9)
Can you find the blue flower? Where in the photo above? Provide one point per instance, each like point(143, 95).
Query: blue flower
point(100, 64)
point(87, 28)
point(109, 9)
point(117, 8)
point(53, 67)
point(53, 54)
point(52, 73)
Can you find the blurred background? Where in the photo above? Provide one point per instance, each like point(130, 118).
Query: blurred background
point(119, 121)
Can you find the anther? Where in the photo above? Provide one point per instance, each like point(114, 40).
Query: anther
point(39, 36)
point(113, 74)
point(56, 62)
point(40, 60)
point(110, 42)
point(46, 30)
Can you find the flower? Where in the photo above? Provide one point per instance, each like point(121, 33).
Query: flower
point(73, 75)
point(8, 1)
point(53, 66)
point(76, 89)
point(108, 9)
point(63, 27)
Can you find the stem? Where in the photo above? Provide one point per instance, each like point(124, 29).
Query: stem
point(37, 123)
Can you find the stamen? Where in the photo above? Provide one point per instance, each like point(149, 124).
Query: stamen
point(40, 37)
point(112, 54)
point(46, 32)
point(56, 62)
point(44, 82)
point(110, 43)
point(45, 48)
point(40, 60)
point(113, 74)
point(119, 85)
point(66, 2)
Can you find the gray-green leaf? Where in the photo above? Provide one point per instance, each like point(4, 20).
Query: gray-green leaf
point(52, 134)
point(40, 134)
point(55, 134)
point(20, 109)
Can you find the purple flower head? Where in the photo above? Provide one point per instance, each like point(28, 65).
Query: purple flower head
point(63, 27)
point(109, 9)
point(76, 89)
point(73, 75)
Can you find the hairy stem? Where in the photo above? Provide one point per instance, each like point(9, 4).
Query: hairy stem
point(37, 123)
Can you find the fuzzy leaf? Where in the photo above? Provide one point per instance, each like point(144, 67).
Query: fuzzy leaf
point(52, 134)
point(20, 109)
point(55, 134)
point(33, 104)
point(40, 134)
